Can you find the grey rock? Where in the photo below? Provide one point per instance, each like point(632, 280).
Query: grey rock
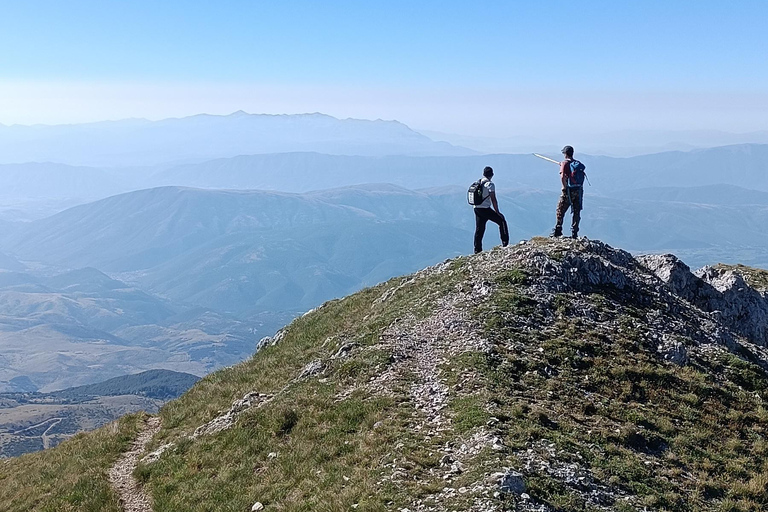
point(512, 482)
point(227, 419)
point(344, 350)
point(312, 368)
point(676, 274)
point(715, 290)
point(673, 351)
point(741, 307)
point(271, 340)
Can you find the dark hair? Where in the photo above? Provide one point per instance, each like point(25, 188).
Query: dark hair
point(567, 151)
point(488, 172)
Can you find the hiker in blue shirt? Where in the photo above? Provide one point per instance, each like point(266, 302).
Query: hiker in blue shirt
point(572, 194)
point(489, 210)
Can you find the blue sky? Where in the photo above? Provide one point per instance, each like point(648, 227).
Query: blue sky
point(623, 63)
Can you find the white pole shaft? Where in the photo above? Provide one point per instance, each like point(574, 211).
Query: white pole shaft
point(547, 159)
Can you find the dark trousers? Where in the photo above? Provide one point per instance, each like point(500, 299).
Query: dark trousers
point(570, 198)
point(482, 216)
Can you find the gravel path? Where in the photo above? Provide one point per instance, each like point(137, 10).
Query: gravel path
point(132, 497)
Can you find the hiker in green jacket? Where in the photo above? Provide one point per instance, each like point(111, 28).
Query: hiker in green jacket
point(571, 196)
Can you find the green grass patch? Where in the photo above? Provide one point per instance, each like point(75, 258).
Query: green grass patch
point(328, 453)
point(468, 413)
point(70, 477)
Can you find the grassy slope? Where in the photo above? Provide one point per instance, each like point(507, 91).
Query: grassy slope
point(70, 477)
point(328, 451)
point(671, 438)
point(588, 389)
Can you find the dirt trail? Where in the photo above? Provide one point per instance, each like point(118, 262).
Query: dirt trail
point(132, 497)
point(46, 438)
point(56, 420)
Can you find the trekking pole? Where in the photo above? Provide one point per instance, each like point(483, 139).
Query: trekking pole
point(547, 159)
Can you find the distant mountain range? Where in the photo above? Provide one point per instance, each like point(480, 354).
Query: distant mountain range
point(621, 143)
point(740, 165)
point(47, 186)
point(245, 252)
point(250, 252)
point(157, 384)
point(134, 142)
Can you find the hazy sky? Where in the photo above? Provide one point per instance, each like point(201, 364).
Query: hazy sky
point(477, 67)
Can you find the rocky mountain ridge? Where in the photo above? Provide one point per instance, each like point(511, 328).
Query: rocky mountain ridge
point(532, 294)
point(552, 375)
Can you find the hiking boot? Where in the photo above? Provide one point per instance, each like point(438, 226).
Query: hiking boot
point(575, 235)
point(557, 232)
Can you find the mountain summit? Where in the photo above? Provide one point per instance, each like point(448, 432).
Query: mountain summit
point(552, 375)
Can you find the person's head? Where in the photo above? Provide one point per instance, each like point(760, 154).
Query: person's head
point(488, 172)
point(568, 151)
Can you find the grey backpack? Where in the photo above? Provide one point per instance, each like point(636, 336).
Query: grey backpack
point(475, 194)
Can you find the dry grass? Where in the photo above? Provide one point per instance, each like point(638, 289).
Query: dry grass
point(330, 454)
point(71, 477)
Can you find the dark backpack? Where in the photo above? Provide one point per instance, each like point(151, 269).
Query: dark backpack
point(576, 174)
point(475, 194)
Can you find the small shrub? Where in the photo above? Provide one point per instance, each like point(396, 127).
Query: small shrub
point(289, 419)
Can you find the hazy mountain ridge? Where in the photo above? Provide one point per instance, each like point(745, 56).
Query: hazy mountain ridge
point(620, 143)
point(722, 194)
point(179, 216)
point(304, 172)
point(48, 180)
point(171, 237)
point(242, 251)
point(738, 165)
point(203, 136)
